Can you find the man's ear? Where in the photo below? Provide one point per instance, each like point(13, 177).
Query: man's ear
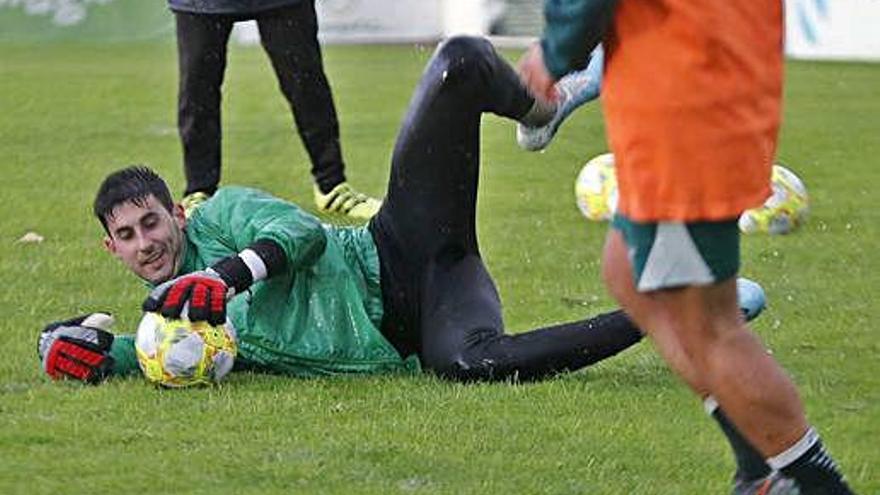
point(179, 215)
point(109, 244)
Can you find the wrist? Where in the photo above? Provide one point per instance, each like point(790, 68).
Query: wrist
point(259, 261)
point(234, 272)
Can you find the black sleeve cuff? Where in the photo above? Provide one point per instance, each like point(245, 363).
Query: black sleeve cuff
point(234, 272)
point(272, 254)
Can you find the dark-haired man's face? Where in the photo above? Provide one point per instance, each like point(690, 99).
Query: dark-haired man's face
point(147, 238)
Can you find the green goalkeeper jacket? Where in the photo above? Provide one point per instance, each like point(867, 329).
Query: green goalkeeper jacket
point(320, 317)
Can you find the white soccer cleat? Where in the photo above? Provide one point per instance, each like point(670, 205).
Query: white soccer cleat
point(574, 90)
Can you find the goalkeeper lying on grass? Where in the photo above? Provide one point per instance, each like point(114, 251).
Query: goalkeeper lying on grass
point(409, 291)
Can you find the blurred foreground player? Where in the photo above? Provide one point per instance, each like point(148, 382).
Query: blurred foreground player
point(692, 95)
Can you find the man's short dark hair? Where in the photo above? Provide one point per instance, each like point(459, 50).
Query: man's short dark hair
point(132, 184)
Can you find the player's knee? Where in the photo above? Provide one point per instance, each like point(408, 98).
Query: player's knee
point(719, 339)
point(702, 344)
point(465, 53)
point(465, 46)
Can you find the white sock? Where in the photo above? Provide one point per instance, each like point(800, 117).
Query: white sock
point(792, 453)
point(710, 404)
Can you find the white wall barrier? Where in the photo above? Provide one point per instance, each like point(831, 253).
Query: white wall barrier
point(833, 29)
point(369, 21)
point(815, 29)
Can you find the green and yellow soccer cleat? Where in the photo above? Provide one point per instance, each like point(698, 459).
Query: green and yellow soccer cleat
point(345, 200)
point(192, 201)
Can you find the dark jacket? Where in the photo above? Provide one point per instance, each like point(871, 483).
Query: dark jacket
point(236, 7)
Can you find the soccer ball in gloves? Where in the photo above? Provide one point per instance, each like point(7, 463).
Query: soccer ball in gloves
point(786, 208)
point(595, 189)
point(178, 353)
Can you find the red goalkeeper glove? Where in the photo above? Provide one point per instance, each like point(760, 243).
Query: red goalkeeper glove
point(203, 293)
point(78, 348)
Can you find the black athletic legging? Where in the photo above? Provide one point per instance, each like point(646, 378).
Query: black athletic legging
point(289, 36)
point(439, 299)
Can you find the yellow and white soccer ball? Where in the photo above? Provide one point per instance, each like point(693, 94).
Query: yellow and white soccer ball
point(595, 189)
point(784, 211)
point(180, 353)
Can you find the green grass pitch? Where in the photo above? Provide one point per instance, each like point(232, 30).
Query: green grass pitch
point(71, 113)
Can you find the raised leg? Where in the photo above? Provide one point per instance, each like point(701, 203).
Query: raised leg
point(440, 301)
point(432, 191)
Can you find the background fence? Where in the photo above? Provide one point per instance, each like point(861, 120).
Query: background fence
point(823, 29)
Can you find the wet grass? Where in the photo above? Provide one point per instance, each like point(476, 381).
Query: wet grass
point(71, 113)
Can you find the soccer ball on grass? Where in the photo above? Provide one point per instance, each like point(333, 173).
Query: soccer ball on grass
point(595, 189)
point(784, 211)
point(180, 353)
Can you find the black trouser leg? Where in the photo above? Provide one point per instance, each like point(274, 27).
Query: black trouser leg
point(431, 199)
point(463, 336)
point(440, 300)
point(290, 38)
point(432, 189)
point(201, 52)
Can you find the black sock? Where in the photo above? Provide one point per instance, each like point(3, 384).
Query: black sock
point(750, 464)
point(812, 467)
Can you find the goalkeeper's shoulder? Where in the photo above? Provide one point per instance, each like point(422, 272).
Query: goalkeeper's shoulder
point(242, 193)
point(234, 201)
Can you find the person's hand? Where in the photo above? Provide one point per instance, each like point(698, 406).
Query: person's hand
point(534, 75)
point(78, 348)
point(203, 293)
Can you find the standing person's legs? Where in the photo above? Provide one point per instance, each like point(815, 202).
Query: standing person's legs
point(290, 37)
point(701, 334)
point(699, 331)
point(201, 51)
point(706, 158)
point(434, 279)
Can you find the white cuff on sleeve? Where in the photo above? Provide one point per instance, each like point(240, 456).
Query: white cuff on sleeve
point(254, 263)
